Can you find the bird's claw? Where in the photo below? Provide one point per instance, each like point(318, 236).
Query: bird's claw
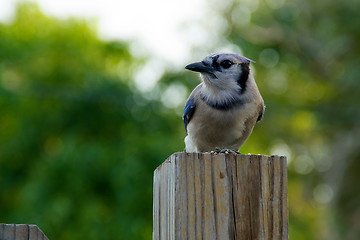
point(224, 150)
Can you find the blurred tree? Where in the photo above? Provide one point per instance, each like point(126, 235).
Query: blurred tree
point(77, 147)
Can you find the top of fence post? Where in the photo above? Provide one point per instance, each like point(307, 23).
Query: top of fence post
point(223, 196)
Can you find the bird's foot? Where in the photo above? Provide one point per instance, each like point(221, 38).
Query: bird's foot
point(224, 150)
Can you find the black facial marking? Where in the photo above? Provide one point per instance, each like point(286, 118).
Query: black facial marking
point(245, 69)
point(215, 64)
point(215, 58)
point(222, 106)
point(205, 63)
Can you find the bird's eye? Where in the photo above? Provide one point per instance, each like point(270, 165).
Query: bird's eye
point(226, 64)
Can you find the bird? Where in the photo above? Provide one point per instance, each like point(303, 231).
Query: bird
point(223, 109)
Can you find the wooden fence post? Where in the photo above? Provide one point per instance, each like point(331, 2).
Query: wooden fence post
point(21, 232)
point(223, 196)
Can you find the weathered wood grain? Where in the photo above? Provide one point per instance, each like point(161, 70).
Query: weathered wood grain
point(21, 232)
point(224, 196)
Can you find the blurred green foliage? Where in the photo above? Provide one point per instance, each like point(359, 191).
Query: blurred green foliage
point(77, 147)
point(78, 143)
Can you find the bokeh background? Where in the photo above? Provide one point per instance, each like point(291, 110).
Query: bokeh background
point(85, 117)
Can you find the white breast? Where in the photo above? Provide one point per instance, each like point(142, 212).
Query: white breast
point(210, 128)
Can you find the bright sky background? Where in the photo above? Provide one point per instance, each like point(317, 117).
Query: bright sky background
point(161, 28)
point(165, 31)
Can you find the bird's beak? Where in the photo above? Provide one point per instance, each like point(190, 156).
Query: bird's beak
point(200, 67)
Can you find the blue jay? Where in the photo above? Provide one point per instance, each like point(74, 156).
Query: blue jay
point(221, 112)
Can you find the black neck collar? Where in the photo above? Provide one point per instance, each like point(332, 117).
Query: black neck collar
point(223, 106)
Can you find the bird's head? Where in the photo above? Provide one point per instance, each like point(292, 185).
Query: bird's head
point(225, 71)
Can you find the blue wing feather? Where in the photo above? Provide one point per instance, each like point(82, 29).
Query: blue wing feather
point(261, 113)
point(188, 111)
